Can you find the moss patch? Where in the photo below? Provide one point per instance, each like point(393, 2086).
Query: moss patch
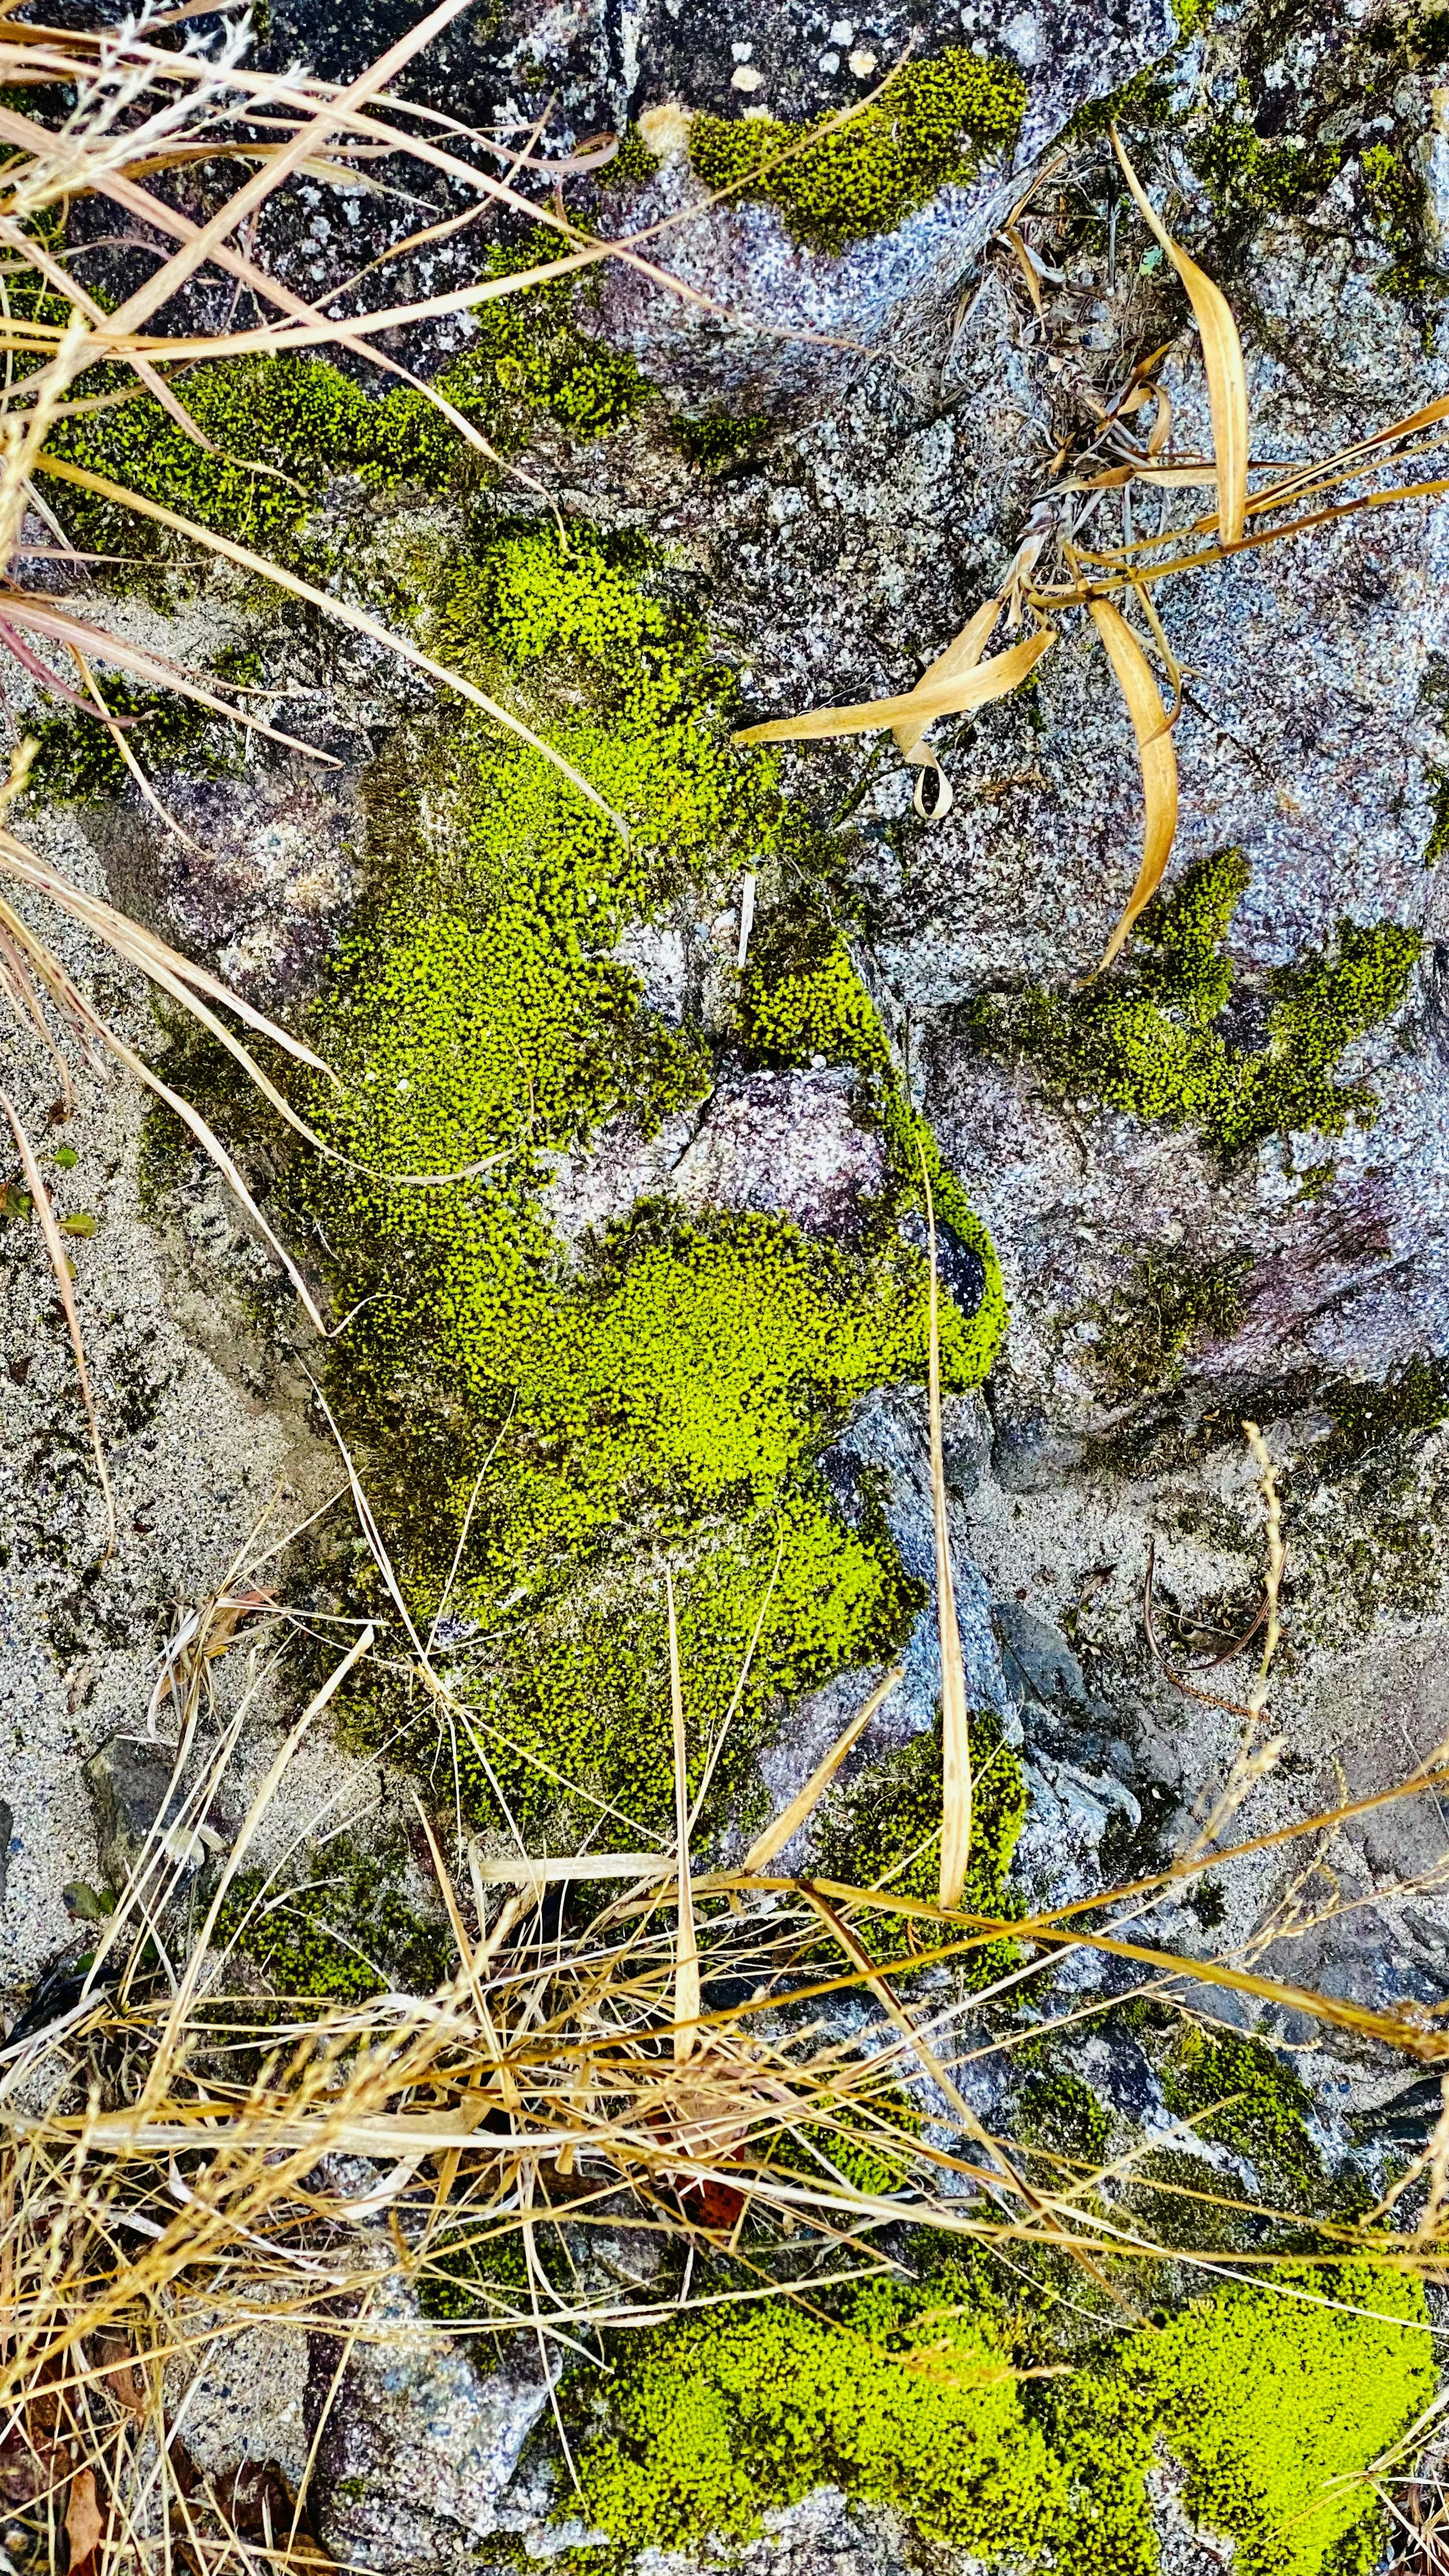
point(1146, 1040)
point(285, 428)
point(935, 122)
point(886, 1829)
point(344, 1935)
point(907, 2399)
point(673, 1389)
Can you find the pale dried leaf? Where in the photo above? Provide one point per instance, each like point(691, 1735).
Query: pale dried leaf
point(948, 697)
point(1158, 758)
point(1222, 357)
point(83, 2525)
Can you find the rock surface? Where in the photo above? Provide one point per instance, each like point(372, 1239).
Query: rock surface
point(908, 396)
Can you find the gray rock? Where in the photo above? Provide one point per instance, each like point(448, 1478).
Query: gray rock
point(784, 1144)
point(774, 1144)
point(133, 1792)
point(269, 883)
point(418, 2447)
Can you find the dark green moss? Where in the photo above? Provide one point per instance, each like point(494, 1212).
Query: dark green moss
point(1415, 1398)
point(886, 1830)
point(718, 437)
point(934, 122)
point(343, 1936)
point(1398, 204)
point(1167, 1306)
point(1145, 1040)
point(1057, 2110)
point(1254, 2104)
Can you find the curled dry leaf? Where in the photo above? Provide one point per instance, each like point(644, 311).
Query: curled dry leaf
point(949, 696)
point(1150, 723)
point(1222, 357)
point(962, 654)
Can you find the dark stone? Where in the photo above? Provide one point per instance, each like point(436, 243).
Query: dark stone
point(1038, 1658)
point(845, 1484)
point(129, 1778)
point(1028, 1455)
point(960, 1268)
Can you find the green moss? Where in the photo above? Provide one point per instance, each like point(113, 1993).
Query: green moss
point(1145, 1041)
point(1166, 1306)
point(675, 1386)
point(935, 122)
point(1264, 2107)
point(1060, 2112)
point(1415, 1398)
point(343, 1936)
point(78, 760)
point(1398, 204)
point(1437, 845)
point(718, 437)
point(1274, 2402)
point(1250, 175)
point(285, 428)
point(886, 1830)
point(633, 163)
point(714, 2422)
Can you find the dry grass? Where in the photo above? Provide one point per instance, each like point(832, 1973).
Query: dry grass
point(178, 2154)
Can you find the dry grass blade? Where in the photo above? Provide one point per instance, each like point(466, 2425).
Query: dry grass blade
point(686, 1974)
point(340, 610)
point(55, 1248)
point(1277, 1558)
point(788, 1822)
point(947, 697)
point(955, 1738)
point(1155, 749)
point(1222, 356)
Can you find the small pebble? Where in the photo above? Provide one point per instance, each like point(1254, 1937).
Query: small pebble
point(862, 63)
point(746, 77)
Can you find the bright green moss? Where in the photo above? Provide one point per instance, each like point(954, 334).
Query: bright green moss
point(1268, 2401)
point(803, 1003)
point(935, 122)
point(1273, 2400)
point(1145, 1041)
point(814, 1005)
point(677, 1384)
point(714, 2422)
point(343, 1936)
